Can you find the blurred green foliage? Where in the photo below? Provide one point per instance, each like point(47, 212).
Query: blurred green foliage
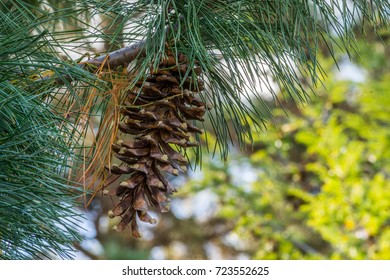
point(321, 188)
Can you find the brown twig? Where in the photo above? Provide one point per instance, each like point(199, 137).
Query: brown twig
point(121, 57)
point(87, 253)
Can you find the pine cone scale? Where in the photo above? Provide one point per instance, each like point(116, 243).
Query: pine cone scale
point(157, 116)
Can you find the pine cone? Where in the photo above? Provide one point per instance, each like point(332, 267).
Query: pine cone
point(158, 116)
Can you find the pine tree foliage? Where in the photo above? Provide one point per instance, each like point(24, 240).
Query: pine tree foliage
point(38, 217)
point(37, 204)
point(240, 45)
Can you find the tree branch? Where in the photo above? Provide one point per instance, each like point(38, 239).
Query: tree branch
point(121, 57)
point(87, 253)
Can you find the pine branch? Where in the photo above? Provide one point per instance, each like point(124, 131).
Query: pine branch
point(86, 252)
point(112, 60)
point(120, 57)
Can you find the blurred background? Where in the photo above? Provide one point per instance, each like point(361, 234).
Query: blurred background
point(315, 184)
